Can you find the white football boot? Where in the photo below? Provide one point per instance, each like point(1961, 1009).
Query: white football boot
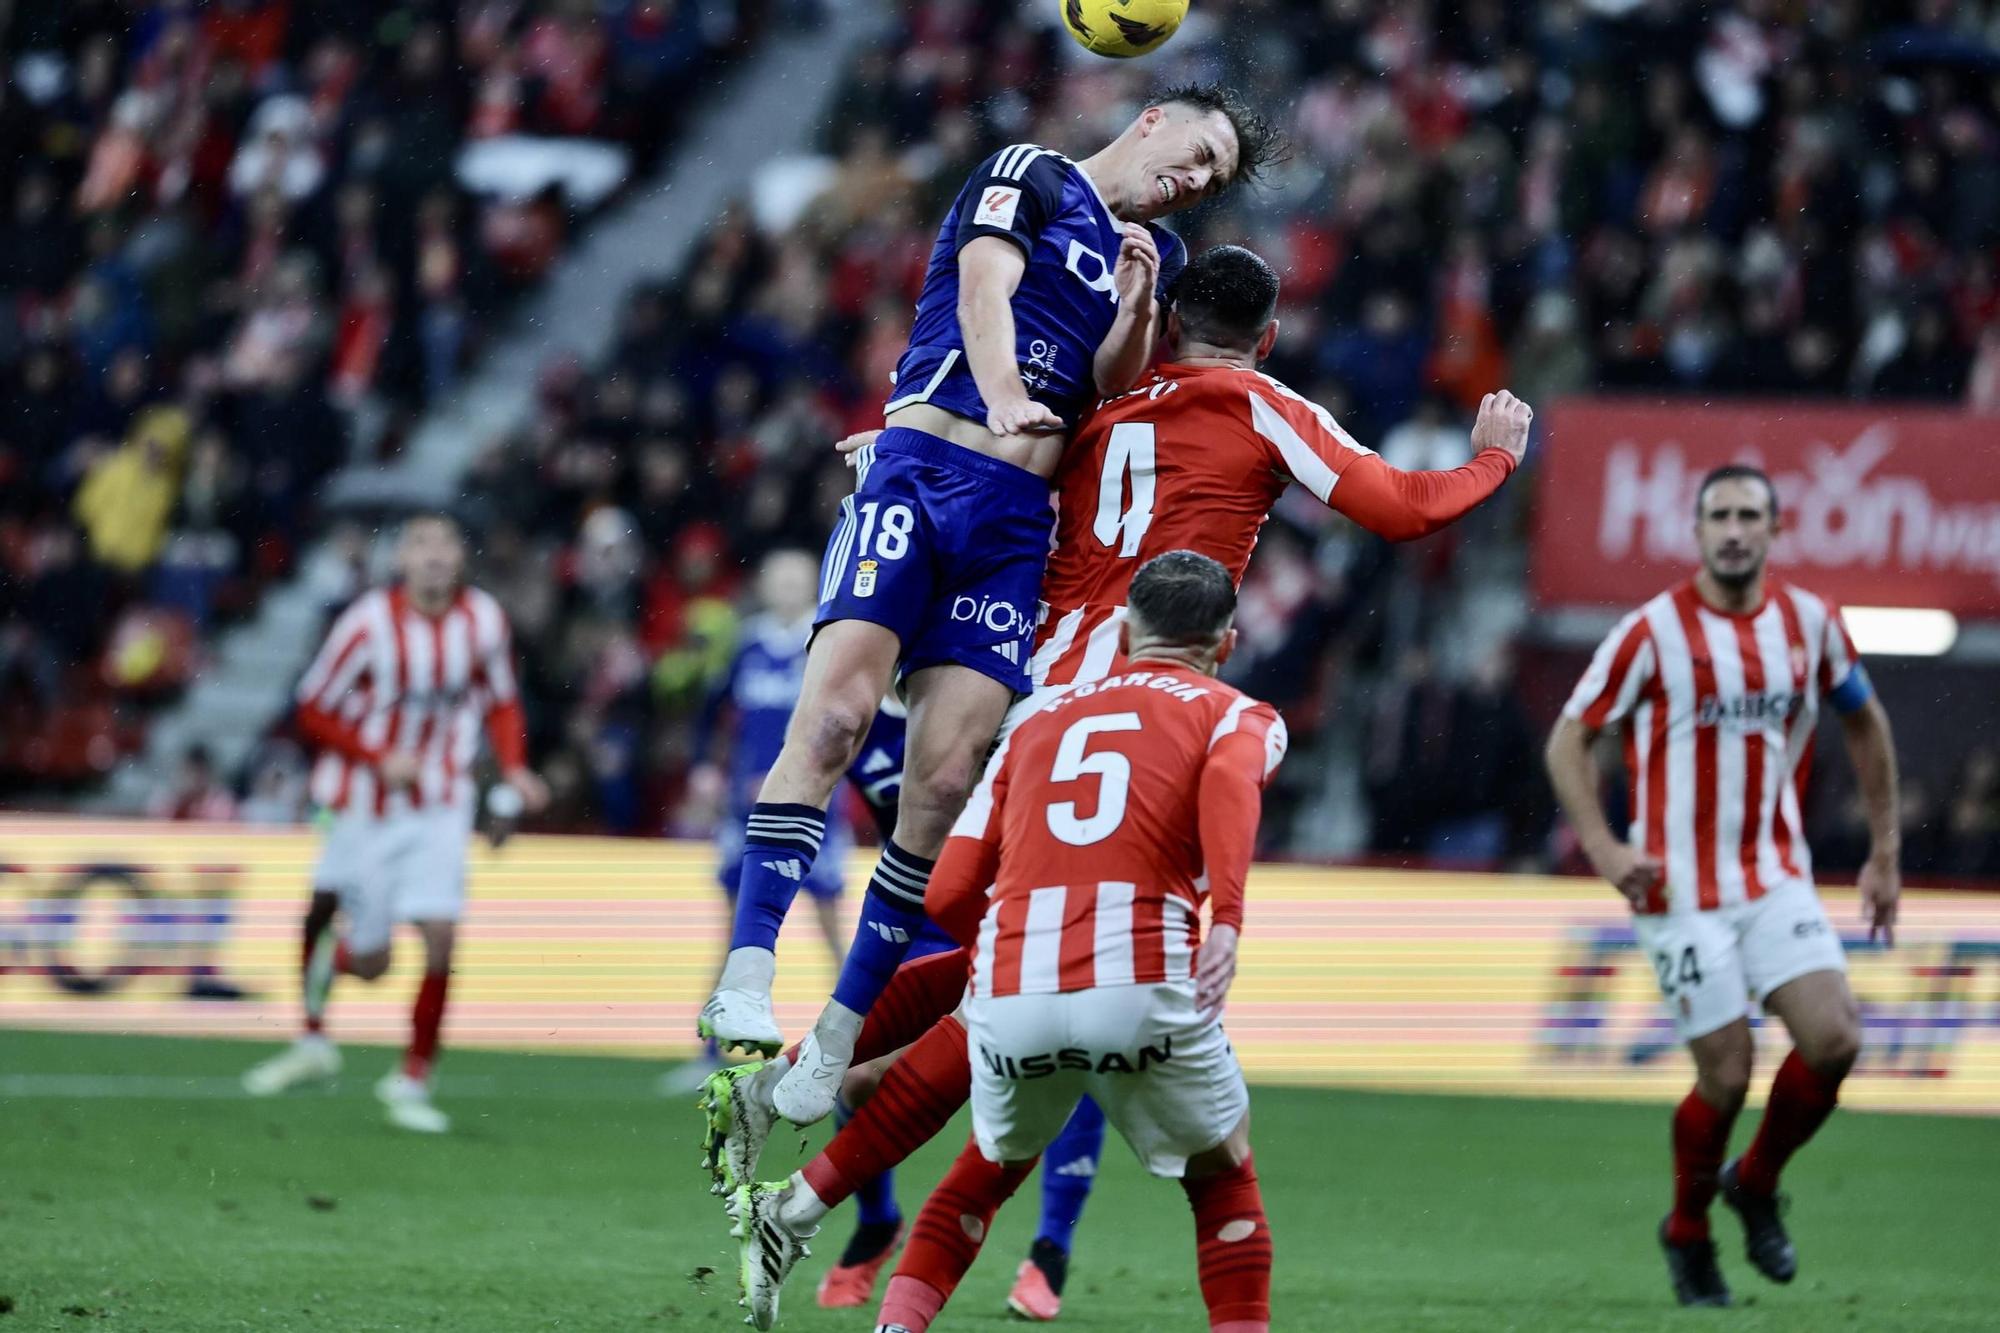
point(408, 1102)
point(741, 1019)
point(310, 1059)
point(809, 1089)
point(770, 1248)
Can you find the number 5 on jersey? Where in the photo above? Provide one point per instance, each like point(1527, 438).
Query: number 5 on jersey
point(1112, 769)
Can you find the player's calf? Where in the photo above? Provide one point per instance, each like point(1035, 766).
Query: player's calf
point(1232, 1235)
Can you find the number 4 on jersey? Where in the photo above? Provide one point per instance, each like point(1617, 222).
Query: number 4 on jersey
point(1128, 458)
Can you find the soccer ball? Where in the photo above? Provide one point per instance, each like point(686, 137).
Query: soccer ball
point(1122, 28)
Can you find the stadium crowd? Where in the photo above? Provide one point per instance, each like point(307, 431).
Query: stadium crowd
point(1751, 198)
point(244, 242)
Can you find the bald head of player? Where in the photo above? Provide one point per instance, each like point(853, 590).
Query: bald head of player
point(1735, 522)
point(430, 556)
point(1190, 144)
point(788, 584)
point(1181, 609)
point(1224, 309)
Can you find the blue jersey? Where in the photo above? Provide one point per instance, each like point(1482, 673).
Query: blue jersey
point(1043, 203)
point(760, 688)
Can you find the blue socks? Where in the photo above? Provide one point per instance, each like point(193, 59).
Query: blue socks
point(891, 916)
point(779, 844)
point(1069, 1169)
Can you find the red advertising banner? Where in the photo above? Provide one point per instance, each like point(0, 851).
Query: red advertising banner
point(1882, 506)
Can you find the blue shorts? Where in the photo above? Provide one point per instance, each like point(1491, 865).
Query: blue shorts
point(822, 881)
point(945, 547)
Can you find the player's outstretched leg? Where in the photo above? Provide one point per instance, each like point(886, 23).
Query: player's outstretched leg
point(1232, 1236)
point(947, 1237)
point(1820, 1011)
point(313, 1056)
point(1069, 1168)
point(878, 1225)
point(954, 713)
point(916, 1099)
point(846, 672)
point(738, 1110)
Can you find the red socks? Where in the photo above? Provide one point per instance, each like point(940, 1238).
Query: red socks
point(918, 996)
point(947, 1236)
point(917, 1098)
point(1701, 1140)
point(1233, 1249)
point(1801, 1100)
point(426, 1022)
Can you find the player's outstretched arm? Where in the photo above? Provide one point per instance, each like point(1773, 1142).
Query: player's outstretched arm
point(1573, 774)
point(1402, 506)
point(1873, 750)
point(1128, 349)
point(989, 272)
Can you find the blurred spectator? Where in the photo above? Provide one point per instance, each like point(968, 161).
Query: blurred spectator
point(195, 791)
point(127, 495)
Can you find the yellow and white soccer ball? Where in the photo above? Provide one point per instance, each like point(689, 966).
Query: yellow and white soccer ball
point(1122, 28)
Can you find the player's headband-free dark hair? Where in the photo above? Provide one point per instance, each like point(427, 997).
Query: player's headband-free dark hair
point(1259, 141)
point(1735, 472)
point(1182, 597)
point(1226, 297)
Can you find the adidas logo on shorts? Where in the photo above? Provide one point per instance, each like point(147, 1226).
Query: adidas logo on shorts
point(1009, 650)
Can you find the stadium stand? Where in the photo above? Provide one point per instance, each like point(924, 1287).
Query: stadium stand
point(246, 243)
point(1698, 200)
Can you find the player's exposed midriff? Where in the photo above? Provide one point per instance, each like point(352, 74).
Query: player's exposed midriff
point(1037, 453)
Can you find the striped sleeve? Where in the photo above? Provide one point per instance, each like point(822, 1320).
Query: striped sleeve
point(1308, 445)
point(343, 658)
point(1617, 677)
point(506, 725)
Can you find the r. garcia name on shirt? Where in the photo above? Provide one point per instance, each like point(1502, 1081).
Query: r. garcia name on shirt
point(1748, 712)
point(1078, 1059)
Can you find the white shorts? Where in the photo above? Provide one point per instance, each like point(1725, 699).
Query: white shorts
point(1166, 1079)
point(408, 866)
point(1711, 965)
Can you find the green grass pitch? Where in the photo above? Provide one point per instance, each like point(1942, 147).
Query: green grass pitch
point(136, 1188)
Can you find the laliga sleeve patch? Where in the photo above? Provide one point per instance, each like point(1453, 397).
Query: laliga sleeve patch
point(997, 207)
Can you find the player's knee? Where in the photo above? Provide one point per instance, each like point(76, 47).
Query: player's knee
point(368, 966)
point(937, 790)
point(1832, 1053)
point(1726, 1085)
point(834, 733)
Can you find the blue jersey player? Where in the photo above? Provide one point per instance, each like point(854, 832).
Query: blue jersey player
point(1041, 297)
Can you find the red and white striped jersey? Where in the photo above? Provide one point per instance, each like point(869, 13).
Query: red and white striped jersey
point(1719, 711)
point(391, 678)
point(1112, 813)
point(1193, 459)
